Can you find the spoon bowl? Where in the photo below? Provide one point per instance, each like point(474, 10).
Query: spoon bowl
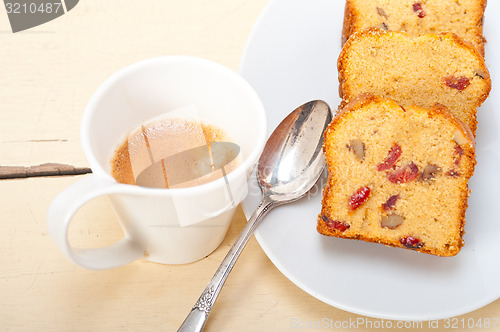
point(290, 165)
point(292, 160)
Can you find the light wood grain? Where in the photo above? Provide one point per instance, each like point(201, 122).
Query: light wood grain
point(48, 73)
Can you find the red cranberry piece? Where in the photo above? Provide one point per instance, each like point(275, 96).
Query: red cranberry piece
point(411, 242)
point(458, 152)
point(453, 173)
point(359, 197)
point(459, 83)
point(392, 157)
point(404, 174)
point(335, 224)
point(390, 203)
point(417, 8)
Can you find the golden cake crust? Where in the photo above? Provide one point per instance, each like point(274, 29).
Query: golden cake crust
point(465, 18)
point(437, 224)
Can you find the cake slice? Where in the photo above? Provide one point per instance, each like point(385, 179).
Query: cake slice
point(421, 71)
point(397, 176)
point(416, 17)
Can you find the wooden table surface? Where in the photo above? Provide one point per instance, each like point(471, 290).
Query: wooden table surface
point(47, 75)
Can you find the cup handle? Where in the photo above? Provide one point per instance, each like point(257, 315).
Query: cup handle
point(62, 210)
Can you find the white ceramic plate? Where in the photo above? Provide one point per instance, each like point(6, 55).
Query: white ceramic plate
point(290, 59)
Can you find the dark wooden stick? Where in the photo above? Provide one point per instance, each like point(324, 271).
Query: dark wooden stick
point(47, 169)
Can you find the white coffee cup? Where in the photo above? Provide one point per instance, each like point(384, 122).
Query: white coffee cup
point(171, 226)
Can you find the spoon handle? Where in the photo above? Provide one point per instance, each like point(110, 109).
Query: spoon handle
point(196, 319)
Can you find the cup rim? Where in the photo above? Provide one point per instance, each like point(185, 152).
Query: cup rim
point(241, 170)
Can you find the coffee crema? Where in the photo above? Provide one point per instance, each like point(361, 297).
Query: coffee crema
point(174, 153)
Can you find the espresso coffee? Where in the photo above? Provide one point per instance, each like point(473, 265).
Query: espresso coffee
point(174, 153)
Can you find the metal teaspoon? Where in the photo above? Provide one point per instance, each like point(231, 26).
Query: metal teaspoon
point(290, 165)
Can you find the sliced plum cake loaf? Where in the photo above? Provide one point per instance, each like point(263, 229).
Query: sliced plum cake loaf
point(463, 17)
point(420, 71)
point(397, 176)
